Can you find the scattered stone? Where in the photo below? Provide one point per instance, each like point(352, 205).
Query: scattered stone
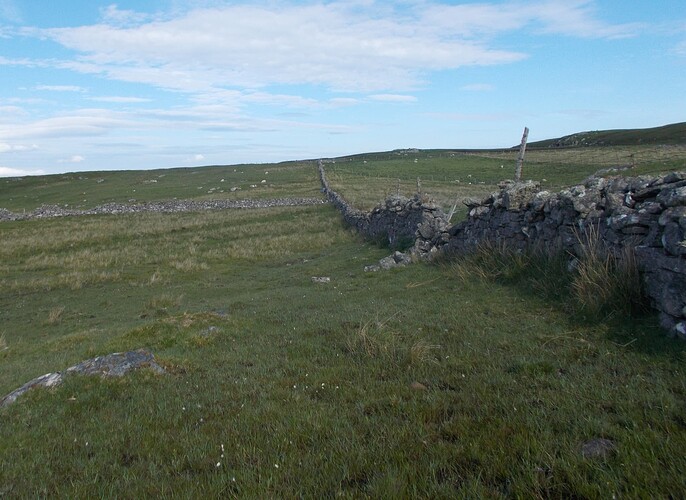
point(418, 386)
point(598, 448)
point(321, 279)
point(111, 365)
point(170, 206)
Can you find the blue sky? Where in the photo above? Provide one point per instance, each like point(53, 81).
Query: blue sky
point(90, 85)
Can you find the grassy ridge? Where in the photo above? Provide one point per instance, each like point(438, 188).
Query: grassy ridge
point(674, 133)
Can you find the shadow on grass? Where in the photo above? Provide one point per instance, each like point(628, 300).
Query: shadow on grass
point(616, 302)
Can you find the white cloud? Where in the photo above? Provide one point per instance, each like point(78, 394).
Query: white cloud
point(72, 159)
point(198, 157)
point(343, 101)
point(562, 17)
point(13, 148)
point(680, 49)
point(119, 99)
point(392, 98)
point(113, 15)
point(338, 45)
point(16, 172)
point(60, 88)
point(10, 11)
point(85, 122)
point(478, 87)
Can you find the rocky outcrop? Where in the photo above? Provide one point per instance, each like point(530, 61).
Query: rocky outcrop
point(171, 206)
point(112, 365)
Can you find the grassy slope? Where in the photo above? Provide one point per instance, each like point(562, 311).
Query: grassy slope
point(674, 133)
point(307, 386)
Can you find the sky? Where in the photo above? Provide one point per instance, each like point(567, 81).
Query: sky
point(90, 85)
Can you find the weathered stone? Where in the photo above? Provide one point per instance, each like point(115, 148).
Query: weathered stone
point(112, 365)
point(672, 197)
point(471, 202)
point(672, 214)
point(116, 364)
point(649, 207)
point(675, 177)
point(673, 239)
point(477, 211)
point(598, 448)
point(321, 279)
point(517, 195)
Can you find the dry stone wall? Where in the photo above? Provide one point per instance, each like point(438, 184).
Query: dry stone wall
point(171, 206)
point(646, 214)
point(399, 221)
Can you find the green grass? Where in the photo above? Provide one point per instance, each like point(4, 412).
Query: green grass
point(89, 189)
point(277, 386)
point(450, 175)
point(674, 133)
point(308, 386)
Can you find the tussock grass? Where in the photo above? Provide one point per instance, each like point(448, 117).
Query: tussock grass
point(3, 342)
point(603, 282)
point(55, 315)
point(375, 339)
point(596, 285)
point(424, 352)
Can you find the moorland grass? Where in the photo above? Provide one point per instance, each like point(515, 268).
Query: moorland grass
point(277, 386)
point(442, 381)
point(450, 176)
point(88, 189)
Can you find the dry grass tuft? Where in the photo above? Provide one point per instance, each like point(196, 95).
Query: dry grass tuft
point(603, 281)
point(3, 343)
point(188, 265)
point(374, 339)
point(55, 315)
point(423, 352)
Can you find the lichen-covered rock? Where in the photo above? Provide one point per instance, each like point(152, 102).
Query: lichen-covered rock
point(111, 365)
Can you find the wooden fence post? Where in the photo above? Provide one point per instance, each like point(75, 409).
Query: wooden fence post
point(520, 157)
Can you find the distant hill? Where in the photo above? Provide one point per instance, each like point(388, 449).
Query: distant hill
point(667, 134)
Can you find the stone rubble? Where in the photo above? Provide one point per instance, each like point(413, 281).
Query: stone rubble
point(171, 206)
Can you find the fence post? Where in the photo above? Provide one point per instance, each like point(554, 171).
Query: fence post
point(520, 157)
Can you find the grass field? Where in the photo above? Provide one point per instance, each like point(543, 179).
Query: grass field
point(428, 381)
point(89, 189)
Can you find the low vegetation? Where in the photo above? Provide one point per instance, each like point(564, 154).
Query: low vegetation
point(468, 379)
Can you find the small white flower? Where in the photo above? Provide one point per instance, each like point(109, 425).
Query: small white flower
point(276, 465)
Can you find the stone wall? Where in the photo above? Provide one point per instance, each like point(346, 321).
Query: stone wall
point(399, 221)
point(646, 214)
point(171, 206)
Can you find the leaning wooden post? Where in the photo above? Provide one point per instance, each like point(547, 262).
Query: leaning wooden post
point(520, 157)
